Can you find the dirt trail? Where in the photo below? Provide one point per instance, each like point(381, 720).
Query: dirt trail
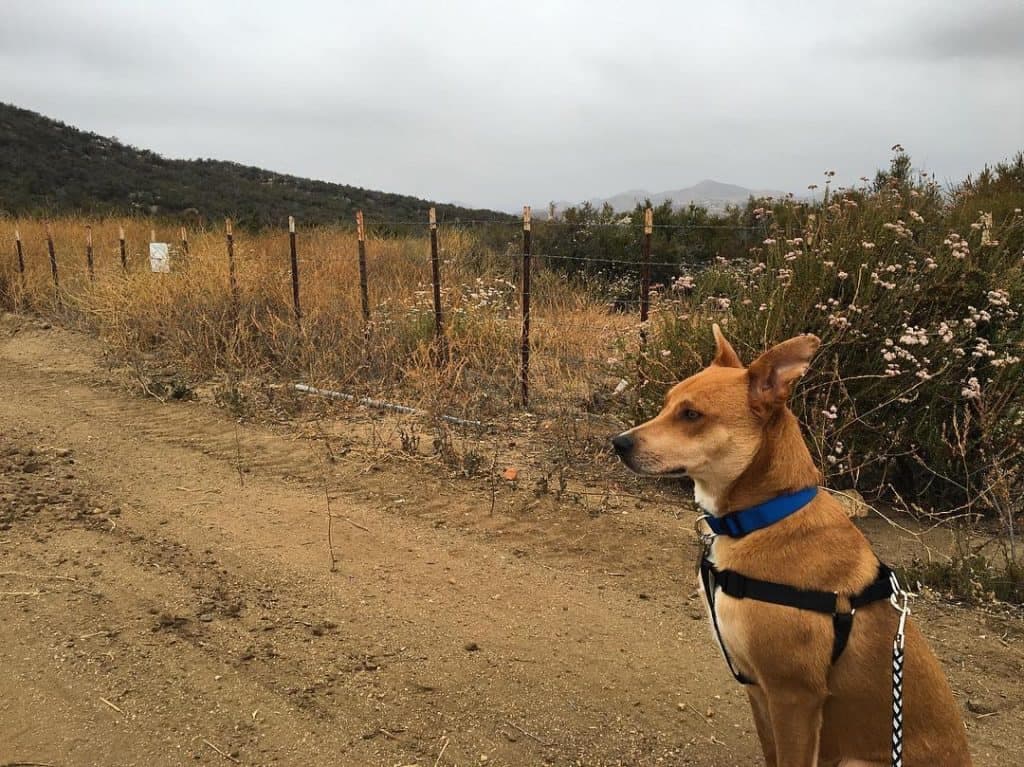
point(165, 598)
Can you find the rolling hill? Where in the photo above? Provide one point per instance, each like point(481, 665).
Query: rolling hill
point(47, 167)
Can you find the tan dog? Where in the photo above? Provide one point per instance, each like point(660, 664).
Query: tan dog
point(729, 429)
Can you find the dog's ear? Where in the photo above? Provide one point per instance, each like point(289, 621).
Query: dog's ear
point(773, 373)
point(725, 355)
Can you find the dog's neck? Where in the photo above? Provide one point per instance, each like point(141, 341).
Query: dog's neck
point(782, 464)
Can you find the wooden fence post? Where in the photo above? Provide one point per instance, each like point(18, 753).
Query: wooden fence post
point(184, 241)
point(232, 277)
point(53, 262)
point(88, 253)
point(524, 373)
point(124, 251)
point(295, 271)
point(435, 270)
point(363, 288)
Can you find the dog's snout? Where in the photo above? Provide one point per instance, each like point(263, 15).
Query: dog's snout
point(622, 443)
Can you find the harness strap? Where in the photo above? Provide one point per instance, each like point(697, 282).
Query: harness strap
point(707, 577)
point(739, 586)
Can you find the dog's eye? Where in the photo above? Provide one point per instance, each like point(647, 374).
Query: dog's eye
point(689, 415)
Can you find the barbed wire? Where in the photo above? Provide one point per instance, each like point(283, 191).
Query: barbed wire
point(541, 223)
point(559, 257)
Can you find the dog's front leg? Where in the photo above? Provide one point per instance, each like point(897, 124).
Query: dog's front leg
point(796, 717)
point(763, 722)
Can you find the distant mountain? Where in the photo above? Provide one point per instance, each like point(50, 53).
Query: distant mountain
point(713, 195)
point(48, 167)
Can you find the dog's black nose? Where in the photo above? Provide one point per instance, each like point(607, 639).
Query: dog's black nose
point(622, 443)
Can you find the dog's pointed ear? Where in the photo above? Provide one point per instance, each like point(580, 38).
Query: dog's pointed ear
point(773, 373)
point(725, 355)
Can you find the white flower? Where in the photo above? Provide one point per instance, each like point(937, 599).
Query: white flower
point(999, 297)
point(972, 390)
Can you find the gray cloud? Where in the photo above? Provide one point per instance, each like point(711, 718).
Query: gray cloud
point(498, 105)
point(994, 32)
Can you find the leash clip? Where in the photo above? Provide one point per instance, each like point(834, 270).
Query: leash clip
point(704, 533)
point(900, 600)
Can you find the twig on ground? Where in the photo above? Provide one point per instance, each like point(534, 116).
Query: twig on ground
point(492, 479)
point(118, 710)
point(38, 575)
point(20, 593)
point(103, 632)
point(698, 713)
point(330, 516)
point(515, 726)
point(222, 753)
point(354, 524)
point(438, 760)
point(238, 455)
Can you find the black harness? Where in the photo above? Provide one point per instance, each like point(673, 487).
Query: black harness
point(739, 586)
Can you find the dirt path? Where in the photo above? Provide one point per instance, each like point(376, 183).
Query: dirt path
point(166, 598)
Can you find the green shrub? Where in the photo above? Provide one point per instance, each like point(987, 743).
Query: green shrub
point(917, 295)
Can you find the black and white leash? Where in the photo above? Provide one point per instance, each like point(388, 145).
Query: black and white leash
point(899, 600)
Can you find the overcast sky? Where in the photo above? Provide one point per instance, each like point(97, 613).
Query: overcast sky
point(497, 104)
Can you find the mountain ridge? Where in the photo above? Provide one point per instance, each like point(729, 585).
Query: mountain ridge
point(708, 193)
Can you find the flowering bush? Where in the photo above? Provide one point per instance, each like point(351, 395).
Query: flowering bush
point(918, 390)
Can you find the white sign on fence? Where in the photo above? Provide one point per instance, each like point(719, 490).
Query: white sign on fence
point(159, 257)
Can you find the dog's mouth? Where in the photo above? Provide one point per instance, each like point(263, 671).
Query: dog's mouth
point(677, 473)
point(673, 474)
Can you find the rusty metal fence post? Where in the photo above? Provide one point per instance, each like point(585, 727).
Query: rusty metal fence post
point(524, 372)
point(124, 251)
point(435, 271)
point(293, 251)
point(22, 287)
point(364, 292)
point(232, 276)
point(21, 256)
point(53, 262)
point(88, 254)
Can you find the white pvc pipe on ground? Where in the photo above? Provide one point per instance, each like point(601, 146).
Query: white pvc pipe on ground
point(381, 405)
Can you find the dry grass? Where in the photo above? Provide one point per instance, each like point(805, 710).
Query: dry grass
point(187, 319)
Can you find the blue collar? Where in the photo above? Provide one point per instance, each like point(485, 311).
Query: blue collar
point(740, 523)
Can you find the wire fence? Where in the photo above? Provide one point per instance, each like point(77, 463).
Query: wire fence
point(521, 258)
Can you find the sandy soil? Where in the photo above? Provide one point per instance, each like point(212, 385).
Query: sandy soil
point(166, 598)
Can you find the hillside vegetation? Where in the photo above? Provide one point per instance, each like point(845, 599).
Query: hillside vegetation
point(47, 168)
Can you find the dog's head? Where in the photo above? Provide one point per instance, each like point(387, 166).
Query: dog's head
point(714, 422)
